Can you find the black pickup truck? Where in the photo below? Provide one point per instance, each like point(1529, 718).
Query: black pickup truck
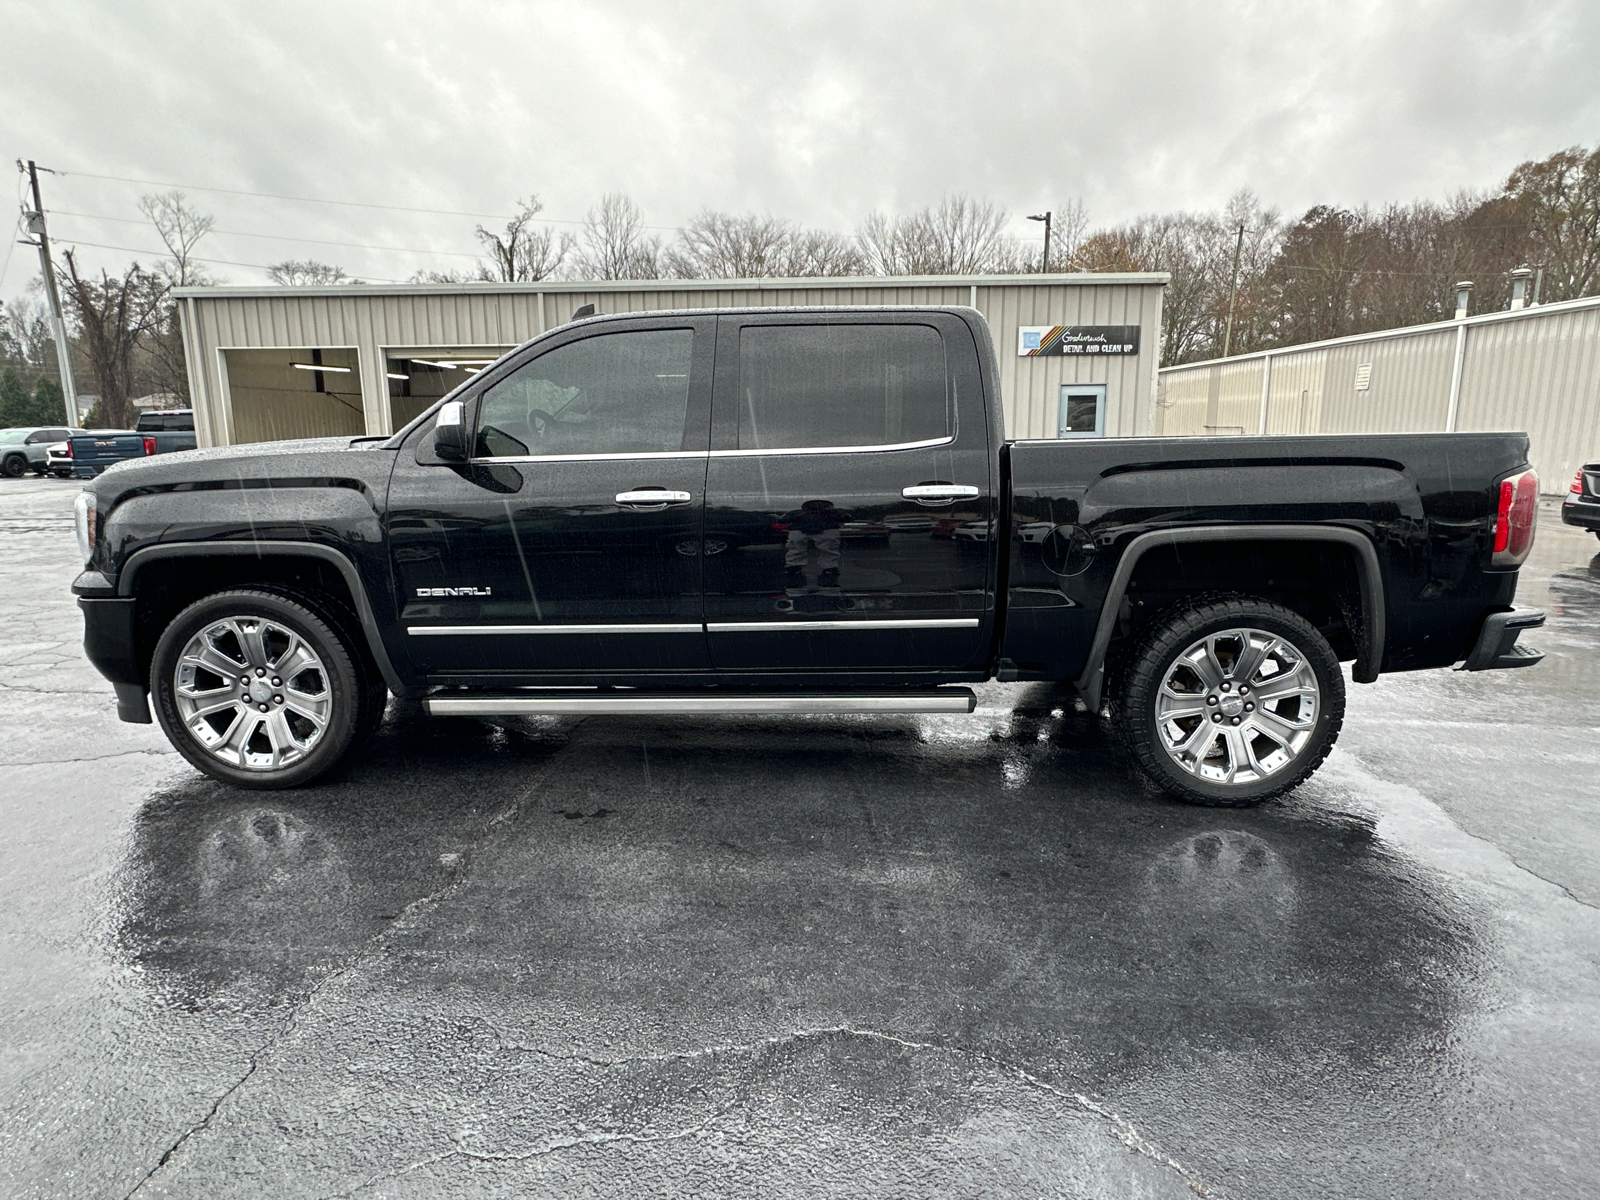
point(792, 511)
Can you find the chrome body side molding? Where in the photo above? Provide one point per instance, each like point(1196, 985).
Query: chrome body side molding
point(579, 702)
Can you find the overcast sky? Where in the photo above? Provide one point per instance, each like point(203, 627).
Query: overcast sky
point(818, 112)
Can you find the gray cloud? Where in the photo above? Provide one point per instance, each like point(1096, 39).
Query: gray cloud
point(814, 111)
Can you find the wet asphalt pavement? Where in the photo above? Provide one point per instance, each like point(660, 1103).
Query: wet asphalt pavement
point(963, 956)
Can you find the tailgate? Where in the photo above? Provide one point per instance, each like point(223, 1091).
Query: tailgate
point(100, 452)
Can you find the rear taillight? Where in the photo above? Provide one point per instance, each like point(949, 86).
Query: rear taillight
point(1577, 483)
point(69, 451)
point(1514, 519)
point(149, 445)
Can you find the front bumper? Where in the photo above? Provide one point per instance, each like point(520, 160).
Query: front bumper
point(1583, 513)
point(109, 642)
point(1497, 649)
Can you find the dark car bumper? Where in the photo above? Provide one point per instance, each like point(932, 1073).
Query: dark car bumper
point(109, 643)
point(1584, 513)
point(1497, 649)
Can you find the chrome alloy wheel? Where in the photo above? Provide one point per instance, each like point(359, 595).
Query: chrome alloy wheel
point(1237, 706)
point(253, 693)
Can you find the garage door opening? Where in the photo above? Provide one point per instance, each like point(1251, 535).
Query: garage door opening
point(279, 394)
point(418, 377)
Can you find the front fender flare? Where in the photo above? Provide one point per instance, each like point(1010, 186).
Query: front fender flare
point(128, 576)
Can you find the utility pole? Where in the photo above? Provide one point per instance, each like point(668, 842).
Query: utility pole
point(1233, 292)
point(1044, 265)
point(35, 225)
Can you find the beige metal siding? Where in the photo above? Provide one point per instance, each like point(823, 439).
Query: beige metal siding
point(1182, 404)
point(1536, 371)
point(1237, 406)
point(1295, 405)
point(1541, 376)
point(1408, 389)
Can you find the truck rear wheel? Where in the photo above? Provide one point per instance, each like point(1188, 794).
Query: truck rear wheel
point(1231, 700)
point(259, 690)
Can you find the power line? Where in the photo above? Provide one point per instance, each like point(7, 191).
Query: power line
point(195, 187)
point(221, 262)
point(437, 212)
point(273, 236)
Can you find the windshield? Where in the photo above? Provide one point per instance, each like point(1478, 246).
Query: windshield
point(13, 435)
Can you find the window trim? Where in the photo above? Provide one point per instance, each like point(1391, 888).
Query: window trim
point(1102, 401)
point(875, 447)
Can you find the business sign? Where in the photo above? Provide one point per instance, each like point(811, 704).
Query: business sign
point(1036, 341)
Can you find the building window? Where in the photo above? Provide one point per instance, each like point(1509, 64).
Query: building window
point(1083, 410)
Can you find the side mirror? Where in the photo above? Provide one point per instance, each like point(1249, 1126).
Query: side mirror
point(450, 433)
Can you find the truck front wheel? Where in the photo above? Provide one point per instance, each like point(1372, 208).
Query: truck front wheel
point(1231, 700)
point(258, 689)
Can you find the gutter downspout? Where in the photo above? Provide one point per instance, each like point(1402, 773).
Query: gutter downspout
point(1266, 391)
point(1455, 378)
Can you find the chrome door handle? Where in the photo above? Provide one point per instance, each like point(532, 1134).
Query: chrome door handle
point(935, 494)
point(652, 498)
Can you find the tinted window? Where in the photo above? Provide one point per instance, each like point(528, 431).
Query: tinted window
point(619, 393)
point(840, 385)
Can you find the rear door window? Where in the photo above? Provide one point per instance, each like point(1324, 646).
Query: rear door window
point(819, 386)
point(618, 393)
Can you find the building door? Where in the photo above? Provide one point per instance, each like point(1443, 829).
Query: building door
point(570, 541)
point(818, 554)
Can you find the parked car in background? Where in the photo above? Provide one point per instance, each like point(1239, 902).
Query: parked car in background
point(155, 433)
point(58, 455)
point(58, 459)
point(1582, 505)
point(25, 448)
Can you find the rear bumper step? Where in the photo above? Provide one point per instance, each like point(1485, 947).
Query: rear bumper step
point(585, 703)
point(1497, 648)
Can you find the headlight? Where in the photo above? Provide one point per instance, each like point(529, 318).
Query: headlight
point(84, 511)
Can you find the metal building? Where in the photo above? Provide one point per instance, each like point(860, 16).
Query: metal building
point(1078, 353)
point(1535, 369)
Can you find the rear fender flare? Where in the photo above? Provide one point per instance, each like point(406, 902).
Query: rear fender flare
point(1091, 683)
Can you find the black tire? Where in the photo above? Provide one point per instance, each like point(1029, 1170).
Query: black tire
point(1289, 644)
point(15, 466)
point(347, 691)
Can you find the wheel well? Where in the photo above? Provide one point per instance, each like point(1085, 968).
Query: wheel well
point(167, 586)
point(1319, 580)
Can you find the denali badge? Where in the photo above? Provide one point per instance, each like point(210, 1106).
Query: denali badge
point(460, 591)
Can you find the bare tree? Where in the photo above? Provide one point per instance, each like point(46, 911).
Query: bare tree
point(523, 253)
point(718, 245)
point(295, 272)
point(614, 242)
point(452, 276)
point(181, 229)
point(114, 315)
point(960, 237)
point(1558, 199)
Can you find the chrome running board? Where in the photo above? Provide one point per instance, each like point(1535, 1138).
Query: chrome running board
point(584, 702)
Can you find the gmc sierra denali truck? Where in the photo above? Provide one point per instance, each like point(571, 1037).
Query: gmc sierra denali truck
point(792, 511)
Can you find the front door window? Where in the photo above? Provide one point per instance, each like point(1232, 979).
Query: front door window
point(622, 393)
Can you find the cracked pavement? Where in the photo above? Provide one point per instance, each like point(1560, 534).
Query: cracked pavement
point(944, 956)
